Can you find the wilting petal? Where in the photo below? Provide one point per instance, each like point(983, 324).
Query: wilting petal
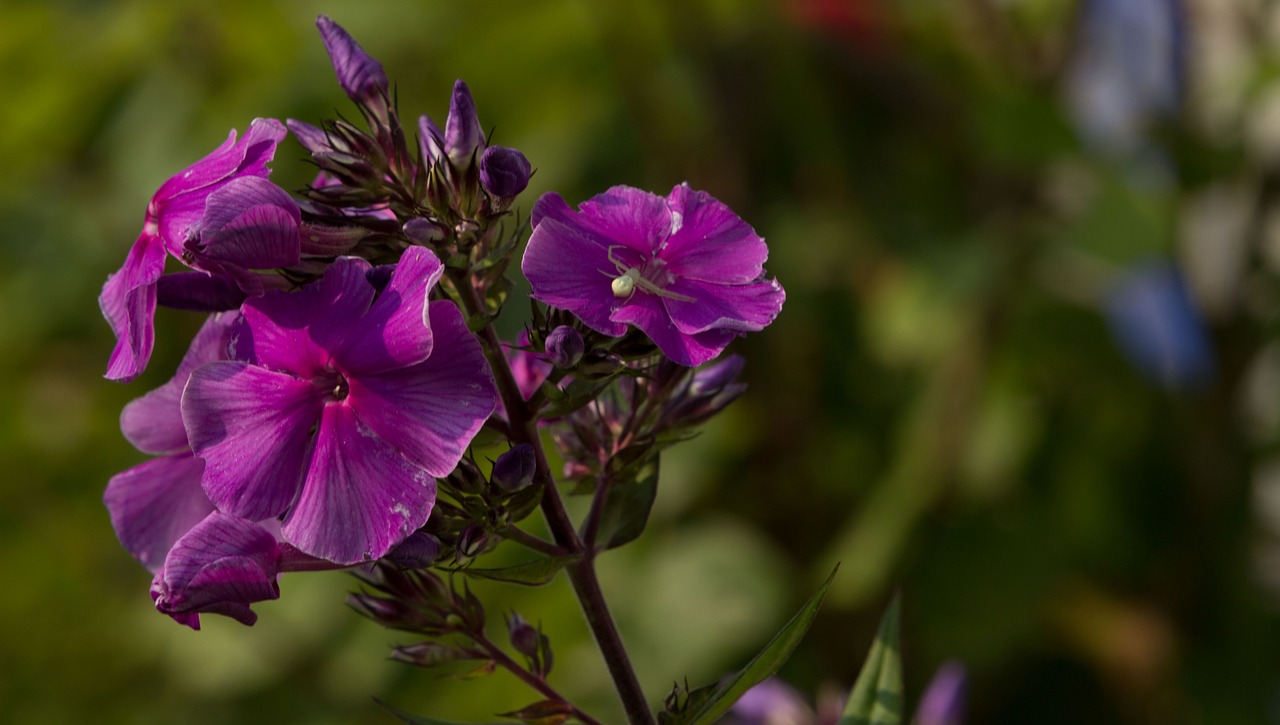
point(570, 269)
point(128, 301)
point(709, 242)
point(741, 308)
point(220, 566)
point(431, 411)
point(251, 223)
point(361, 496)
point(153, 423)
point(646, 312)
point(395, 332)
point(154, 504)
point(252, 426)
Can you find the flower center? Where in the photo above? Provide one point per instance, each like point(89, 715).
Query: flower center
point(334, 384)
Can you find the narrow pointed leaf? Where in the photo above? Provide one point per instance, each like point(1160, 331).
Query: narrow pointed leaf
point(626, 510)
point(533, 574)
point(705, 710)
point(876, 698)
point(546, 712)
point(411, 719)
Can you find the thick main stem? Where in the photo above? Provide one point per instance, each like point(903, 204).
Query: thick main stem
point(582, 573)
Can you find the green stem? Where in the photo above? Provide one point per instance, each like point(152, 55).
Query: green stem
point(497, 655)
point(582, 573)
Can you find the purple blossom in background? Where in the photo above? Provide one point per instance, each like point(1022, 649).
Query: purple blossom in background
point(772, 702)
point(1157, 326)
point(685, 270)
point(944, 700)
point(1127, 70)
point(462, 136)
point(220, 216)
point(339, 407)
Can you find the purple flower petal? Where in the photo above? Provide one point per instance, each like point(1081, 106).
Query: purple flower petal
point(395, 332)
point(251, 223)
point(312, 138)
point(708, 242)
point(628, 216)
point(153, 423)
point(742, 308)
point(361, 496)
point(943, 702)
point(154, 504)
point(248, 157)
point(128, 301)
point(432, 410)
point(569, 268)
point(252, 426)
point(220, 566)
point(198, 292)
point(297, 331)
point(646, 312)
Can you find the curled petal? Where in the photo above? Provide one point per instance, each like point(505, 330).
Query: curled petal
point(396, 332)
point(647, 313)
point(128, 302)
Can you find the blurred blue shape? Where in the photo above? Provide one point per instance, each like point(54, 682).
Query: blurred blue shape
point(1127, 69)
point(1157, 326)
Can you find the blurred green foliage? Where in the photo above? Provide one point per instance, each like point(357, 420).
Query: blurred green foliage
point(940, 405)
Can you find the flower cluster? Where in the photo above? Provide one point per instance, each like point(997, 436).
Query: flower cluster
point(324, 416)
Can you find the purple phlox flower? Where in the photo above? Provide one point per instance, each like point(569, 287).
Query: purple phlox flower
point(685, 270)
point(340, 406)
point(220, 216)
point(152, 505)
point(772, 702)
point(944, 700)
point(1127, 70)
point(360, 76)
point(504, 172)
point(462, 136)
point(1157, 326)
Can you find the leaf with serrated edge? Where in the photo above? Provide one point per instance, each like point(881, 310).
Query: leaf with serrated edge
point(760, 667)
point(876, 698)
point(531, 574)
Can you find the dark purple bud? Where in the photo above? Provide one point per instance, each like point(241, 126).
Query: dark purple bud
point(565, 346)
point(943, 702)
point(198, 292)
point(462, 132)
point(524, 638)
point(425, 231)
point(416, 552)
point(358, 73)
point(514, 469)
point(504, 172)
point(472, 542)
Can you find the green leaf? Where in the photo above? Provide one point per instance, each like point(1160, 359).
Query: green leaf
point(574, 395)
point(705, 708)
point(626, 510)
point(412, 719)
point(876, 698)
point(533, 574)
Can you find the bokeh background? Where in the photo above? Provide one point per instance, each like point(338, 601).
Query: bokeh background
point(1028, 372)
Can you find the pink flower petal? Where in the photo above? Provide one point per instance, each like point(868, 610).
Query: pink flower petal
point(361, 496)
point(709, 242)
point(252, 426)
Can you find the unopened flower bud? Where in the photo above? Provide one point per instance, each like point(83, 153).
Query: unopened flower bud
point(424, 231)
point(358, 73)
point(472, 542)
point(504, 172)
point(524, 638)
point(514, 469)
point(466, 478)
point(416, 552)
point(462, 132)
point(565, 346)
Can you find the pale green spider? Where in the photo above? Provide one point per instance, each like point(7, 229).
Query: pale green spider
point(625, 284)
